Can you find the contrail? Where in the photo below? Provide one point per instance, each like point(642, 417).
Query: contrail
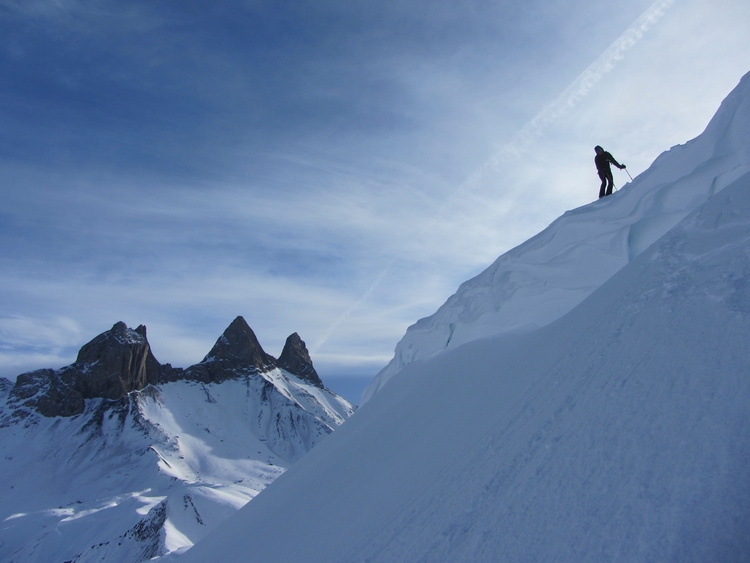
point(582, 85)
point(327, 334)
point(568, 99)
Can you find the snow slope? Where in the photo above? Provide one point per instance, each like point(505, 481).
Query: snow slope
point(619, 431)
point(154, 472)
point(539, 281)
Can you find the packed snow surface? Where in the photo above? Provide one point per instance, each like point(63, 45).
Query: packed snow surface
point(154, 472)
point(618, 429)
point(544, 278)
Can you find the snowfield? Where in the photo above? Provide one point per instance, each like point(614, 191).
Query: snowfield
point(152, 473)
point(585, 399)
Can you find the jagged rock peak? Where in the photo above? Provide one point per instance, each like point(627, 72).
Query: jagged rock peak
point(119, 335)
point(236, 352)
point(120, 360)
point(116, 362)
point(296, 360)
point(239, 343)
point(110, 366)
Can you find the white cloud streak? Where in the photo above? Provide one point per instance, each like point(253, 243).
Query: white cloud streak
point(567, 100)
point(332, 328)
point(582, 85)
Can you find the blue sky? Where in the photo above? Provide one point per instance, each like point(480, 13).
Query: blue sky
point(326, 167)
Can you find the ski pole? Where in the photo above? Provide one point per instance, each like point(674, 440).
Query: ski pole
point(628, 173)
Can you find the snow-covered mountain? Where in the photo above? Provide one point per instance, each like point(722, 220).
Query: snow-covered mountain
point(597, 409)
point(548, 275)
point(117, 458)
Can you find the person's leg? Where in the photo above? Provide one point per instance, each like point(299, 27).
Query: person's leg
point(603, 186)
point(610, 183)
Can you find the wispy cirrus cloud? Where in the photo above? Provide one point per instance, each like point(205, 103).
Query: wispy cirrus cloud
point(328, 168)
point(582, 86)
point(528, 134)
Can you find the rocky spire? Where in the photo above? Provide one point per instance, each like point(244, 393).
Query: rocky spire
point(112, 365)
point(115, 363)
point(296, 360)
point(120, 361)
point(235, 353)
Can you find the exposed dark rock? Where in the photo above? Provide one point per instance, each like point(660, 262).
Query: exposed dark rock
point(296, 360)
point(142, 542)
point(169, 373)
point(44, 391)
point(114, 363)
point(120, 361)
point(5, 385)
point(29, 384)
point(110, 366)
point(147, 530)
point(235, 353)
point(60, 400)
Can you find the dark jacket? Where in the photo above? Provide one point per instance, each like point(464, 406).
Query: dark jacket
point(602, 161)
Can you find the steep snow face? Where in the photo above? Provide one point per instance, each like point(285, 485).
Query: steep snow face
point(153, 472)
point(544, 278)
point(619, 432)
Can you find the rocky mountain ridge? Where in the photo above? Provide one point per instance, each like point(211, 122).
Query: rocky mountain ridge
point(119, 458)
point(120, 361)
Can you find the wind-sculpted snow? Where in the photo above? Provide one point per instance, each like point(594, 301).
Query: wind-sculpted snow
point(153, 472)
point(619, 432)
point(546, 277)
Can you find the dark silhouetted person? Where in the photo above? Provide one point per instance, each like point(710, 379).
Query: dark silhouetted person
point(602, 161)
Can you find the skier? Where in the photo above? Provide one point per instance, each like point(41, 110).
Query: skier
point(602, 161)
